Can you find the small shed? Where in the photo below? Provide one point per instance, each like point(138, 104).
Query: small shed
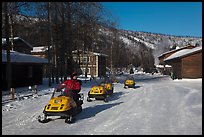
point(26, 70)
point(186, 63)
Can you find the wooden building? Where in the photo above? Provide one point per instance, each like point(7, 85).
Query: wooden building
point(186, 63)
point(26, 70)
point(19, 45)
point(41, 51)
point(169, 53)
point(165, 68)
point(90, 63)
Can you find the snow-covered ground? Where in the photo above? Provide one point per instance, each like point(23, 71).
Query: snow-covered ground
point(158, 106)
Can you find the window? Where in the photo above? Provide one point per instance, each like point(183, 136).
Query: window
point(88, 70)
point(75, 59)
point(85, 59)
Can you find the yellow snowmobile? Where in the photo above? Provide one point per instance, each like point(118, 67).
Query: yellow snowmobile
point(129, 83)
point(97, 92)
point(108, 86)
point(61, 105)
point(102, 91)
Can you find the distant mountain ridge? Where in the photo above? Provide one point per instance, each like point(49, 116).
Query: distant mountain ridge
point(159, 43)
point(154, 38)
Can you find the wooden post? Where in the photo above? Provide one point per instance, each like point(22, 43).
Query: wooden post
point(12, 91)
point(35, 89)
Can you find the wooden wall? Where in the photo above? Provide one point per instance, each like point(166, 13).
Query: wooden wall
point(102, 66)
point(189, 66)
point(23, 75)
point(96, 64)
point(192, 66)
point(161, 59)
point(176, 68)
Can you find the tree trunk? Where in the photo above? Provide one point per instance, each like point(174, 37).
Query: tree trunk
point(49, 44)
point(8, 46)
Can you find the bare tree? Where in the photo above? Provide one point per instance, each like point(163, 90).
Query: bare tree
point(9, 9)
point(5, 4)
point(64, 27)
point(49, 44)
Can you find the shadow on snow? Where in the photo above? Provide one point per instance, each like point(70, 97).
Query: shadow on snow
point(89, 112)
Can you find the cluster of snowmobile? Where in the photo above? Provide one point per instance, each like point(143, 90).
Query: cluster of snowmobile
point(67, 108)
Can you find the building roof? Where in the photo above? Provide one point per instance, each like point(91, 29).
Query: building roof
point(17, 39)
point(184, 52)
point(17, 57)
point(95, 53)
point(39, 49)
point(177, 49)
point(162, 66)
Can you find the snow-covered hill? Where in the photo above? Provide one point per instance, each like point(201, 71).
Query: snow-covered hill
point(158, 43)
point(155, 38)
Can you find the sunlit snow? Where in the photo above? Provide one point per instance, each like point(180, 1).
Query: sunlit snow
point(157, 106)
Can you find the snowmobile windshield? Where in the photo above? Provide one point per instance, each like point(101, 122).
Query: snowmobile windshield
point(59, 92)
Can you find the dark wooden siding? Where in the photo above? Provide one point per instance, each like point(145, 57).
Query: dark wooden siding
point(176, 67)
point(102, 66)
point(23, 75)
point(21, 49)
point(192, 66)
point(19, 46)
point(92, 65)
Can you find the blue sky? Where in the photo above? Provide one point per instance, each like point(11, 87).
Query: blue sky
point(174, 18)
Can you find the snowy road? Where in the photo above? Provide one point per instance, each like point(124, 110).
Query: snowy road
point(158, 106)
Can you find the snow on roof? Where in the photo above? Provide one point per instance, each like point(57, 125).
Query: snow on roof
point(159, 66)
point(39, 49)
point(97, 54)
point(162, 66)
point(168, 66)
point(177, 48)
point(18, 57)
point(183, 52)
point(17, 38)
